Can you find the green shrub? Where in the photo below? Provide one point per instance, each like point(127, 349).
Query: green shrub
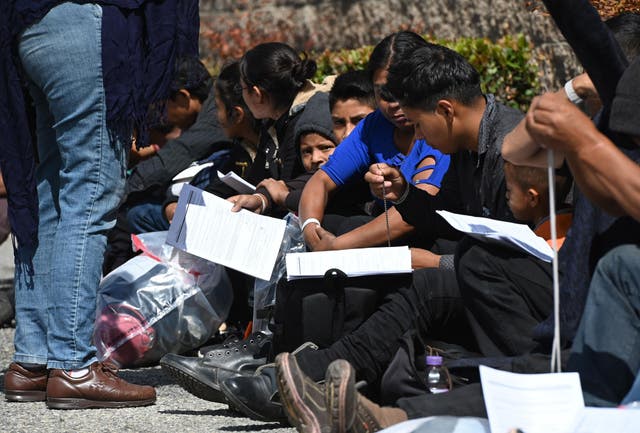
point(507, 68)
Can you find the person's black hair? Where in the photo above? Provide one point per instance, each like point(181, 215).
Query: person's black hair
point(626, 29)
point(192, 75)
point(353, 85)
point(432, 73)
point(278, 70)
point(538, 179)
point(229, 89)
point(395, 46)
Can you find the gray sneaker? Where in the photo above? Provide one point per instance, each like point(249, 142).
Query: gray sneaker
point(341, 397)
point(303, 399)
point(313, 407)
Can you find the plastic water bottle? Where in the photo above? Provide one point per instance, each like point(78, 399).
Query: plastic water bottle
point(437, 375)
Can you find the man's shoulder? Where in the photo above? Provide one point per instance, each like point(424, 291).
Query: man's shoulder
point(507, 116)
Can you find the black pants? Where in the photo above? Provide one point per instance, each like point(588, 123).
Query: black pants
point(506, 294)
point(432, 303)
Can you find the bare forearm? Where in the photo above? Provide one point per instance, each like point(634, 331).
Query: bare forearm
point(374, 233)
point(313, 203)
point(520, 149)
point(314, 197)
point(607, 177)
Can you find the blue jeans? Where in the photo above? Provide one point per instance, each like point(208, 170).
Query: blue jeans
point(80, 181)
point(606, 350)
point(147, 217)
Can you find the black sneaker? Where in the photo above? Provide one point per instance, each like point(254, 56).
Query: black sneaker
point(257, 396)
point(201, 376)
point(253, 342)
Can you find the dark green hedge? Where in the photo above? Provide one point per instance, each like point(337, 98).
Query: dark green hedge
point(507, 68)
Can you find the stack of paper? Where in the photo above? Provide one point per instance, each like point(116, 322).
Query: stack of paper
point(234, 181)
point(355, 262)
point(204, 226)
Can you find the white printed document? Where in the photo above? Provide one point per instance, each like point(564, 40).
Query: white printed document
point(515, 235)
point(547, 403)
point(204, 226)
point(234, 181)
point(354, 262)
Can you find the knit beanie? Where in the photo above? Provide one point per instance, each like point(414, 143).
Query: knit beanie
point(316, 117)
point(625, 110)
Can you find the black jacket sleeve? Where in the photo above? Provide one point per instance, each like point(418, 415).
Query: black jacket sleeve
point(593, 43)
point(419, 209)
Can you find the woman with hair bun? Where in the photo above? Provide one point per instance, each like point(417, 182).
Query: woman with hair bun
point(276, 86)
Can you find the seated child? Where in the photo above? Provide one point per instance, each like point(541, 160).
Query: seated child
point(316, 142)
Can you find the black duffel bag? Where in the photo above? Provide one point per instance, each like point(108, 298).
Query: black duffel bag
point(322, 310)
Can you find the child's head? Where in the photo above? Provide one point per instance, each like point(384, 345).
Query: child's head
point(189, 89)
point(391, 49)
point(438, 89)
point(528, 191)
point(314, 133)
point(351, 99)
point(272, 74)
point(234, 116)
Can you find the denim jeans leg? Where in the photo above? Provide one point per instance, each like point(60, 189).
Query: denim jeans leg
point(32, 282)
point(62, 57)
point(606, 350)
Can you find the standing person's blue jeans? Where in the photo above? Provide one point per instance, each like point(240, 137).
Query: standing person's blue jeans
point(80, 182)
point(606, 350)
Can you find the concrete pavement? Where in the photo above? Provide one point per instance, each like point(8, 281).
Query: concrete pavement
point(176, 411)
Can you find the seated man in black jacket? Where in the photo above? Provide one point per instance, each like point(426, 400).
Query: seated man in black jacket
point(191, 107)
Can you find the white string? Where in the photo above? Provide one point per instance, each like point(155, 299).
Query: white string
point(555, 348)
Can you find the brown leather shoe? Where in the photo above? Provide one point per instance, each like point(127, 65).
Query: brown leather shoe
point(99, 388)
point(21, 384)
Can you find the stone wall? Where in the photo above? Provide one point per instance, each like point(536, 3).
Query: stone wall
point(233, 26)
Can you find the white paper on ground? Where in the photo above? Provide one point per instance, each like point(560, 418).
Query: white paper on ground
point(203, 225)
point(440, 424)
point(516, 235)
point(353, 262)
point(599, 419)
point(534, 403)
point(234, 181)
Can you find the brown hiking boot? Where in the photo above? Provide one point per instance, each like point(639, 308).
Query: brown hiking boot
point(21, 384)
point(99, 388)
point(371, 417)
point(350, 411)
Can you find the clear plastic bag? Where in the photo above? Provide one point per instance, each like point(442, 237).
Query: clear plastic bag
point(264, 292)
point(161, 301)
